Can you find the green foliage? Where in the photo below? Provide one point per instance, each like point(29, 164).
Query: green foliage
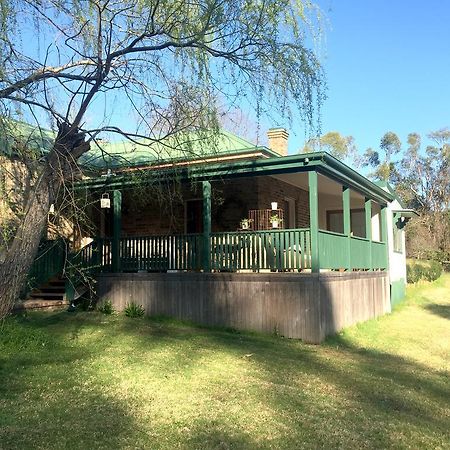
point(106, 307)
point(333, 142)
point(86, 303)
point(134, 310)
point(382, 161)
point(435, 271)
point(186, 51)
point(390, 144)
point(418, 271)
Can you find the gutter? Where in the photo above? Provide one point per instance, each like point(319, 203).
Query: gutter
point(321, 162)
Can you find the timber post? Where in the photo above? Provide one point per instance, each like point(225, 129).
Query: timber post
point(347, 223)
point(206, 259)
point(384, 235)
point(368, 223)
point(117, 225)
point(314, 220)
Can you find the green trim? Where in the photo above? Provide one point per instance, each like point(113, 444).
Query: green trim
point(390, 189)
point(117, 225)
point(320, 162)
point(368, 224)
point(206, 185)
point(314, 220)
point(384, 236)
point(398, 291)
point(346, 213)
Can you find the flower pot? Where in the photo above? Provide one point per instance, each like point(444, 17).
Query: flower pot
point(275, 224)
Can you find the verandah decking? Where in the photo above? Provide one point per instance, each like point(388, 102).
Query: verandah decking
point(252, 251)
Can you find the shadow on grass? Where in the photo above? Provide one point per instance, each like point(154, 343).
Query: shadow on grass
point(383, 399)
point(46, 397)
point(439, 310)
point(329, 396)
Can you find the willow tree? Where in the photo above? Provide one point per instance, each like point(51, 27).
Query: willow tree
point(71, 65)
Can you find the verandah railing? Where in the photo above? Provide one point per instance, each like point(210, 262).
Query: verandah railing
point(275, 250)
point(235, 251)
point(338, 251)
point(259, 250)
point(48, 263)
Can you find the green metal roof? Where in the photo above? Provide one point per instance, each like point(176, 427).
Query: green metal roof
point(178, 147)
point(16, 135)
point(389, 188)
point(321, 162)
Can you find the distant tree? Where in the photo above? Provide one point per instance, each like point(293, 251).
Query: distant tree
point(341, 147)
point(424, 183)
point(422, 180)
point(382, 161)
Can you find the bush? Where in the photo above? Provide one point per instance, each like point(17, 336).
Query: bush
point(134, 310)
point(417, 272)
point(435, 270)
point(107, 307)
point(411, 274)
point(86, 303)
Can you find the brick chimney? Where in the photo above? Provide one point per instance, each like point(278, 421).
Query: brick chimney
point(278, 140)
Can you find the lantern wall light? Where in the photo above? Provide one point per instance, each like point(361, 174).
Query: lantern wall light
point(105, 201)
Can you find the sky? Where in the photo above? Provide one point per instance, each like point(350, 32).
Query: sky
point(387, 66)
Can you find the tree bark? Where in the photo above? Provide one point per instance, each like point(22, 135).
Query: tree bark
point(59, 165)
point(21, 253)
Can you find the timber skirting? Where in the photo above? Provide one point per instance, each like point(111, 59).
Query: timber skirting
point(296, 305)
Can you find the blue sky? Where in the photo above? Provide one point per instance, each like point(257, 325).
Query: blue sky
point(387, 65)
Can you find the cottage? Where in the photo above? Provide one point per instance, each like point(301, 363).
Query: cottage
point(249, 237)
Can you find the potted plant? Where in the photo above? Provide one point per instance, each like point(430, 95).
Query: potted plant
point(245, 223)
point(275, 220)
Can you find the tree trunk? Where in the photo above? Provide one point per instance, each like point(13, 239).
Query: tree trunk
point(59, 165)
point(20, 255)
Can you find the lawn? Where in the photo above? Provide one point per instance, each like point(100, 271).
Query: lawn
point(87, 381)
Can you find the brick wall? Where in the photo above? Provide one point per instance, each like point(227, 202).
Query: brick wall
point(145, 212)
point(273, 190)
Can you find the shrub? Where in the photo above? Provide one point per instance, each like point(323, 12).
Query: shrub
point(411, 274)
point(134, 310)
point(107, 307)
point(417, 272)
point(435, 270)
point(86, 304)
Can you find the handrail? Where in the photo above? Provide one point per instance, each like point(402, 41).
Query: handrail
point(48, 263)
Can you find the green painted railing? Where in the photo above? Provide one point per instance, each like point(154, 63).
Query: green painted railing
point(337, 251)
point(275, 250)
point(379, 255)
point(360, 253)
point(161, 253)
point(256, 250)
point(48, 263)
point(333, 250)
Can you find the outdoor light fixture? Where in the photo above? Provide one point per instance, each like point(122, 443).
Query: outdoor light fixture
point(52, 209)
point(105, 201)
point(274, 206)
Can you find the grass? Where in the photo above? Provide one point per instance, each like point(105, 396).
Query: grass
point(87, 380)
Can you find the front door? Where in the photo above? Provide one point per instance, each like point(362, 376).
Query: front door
point(194, 216)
